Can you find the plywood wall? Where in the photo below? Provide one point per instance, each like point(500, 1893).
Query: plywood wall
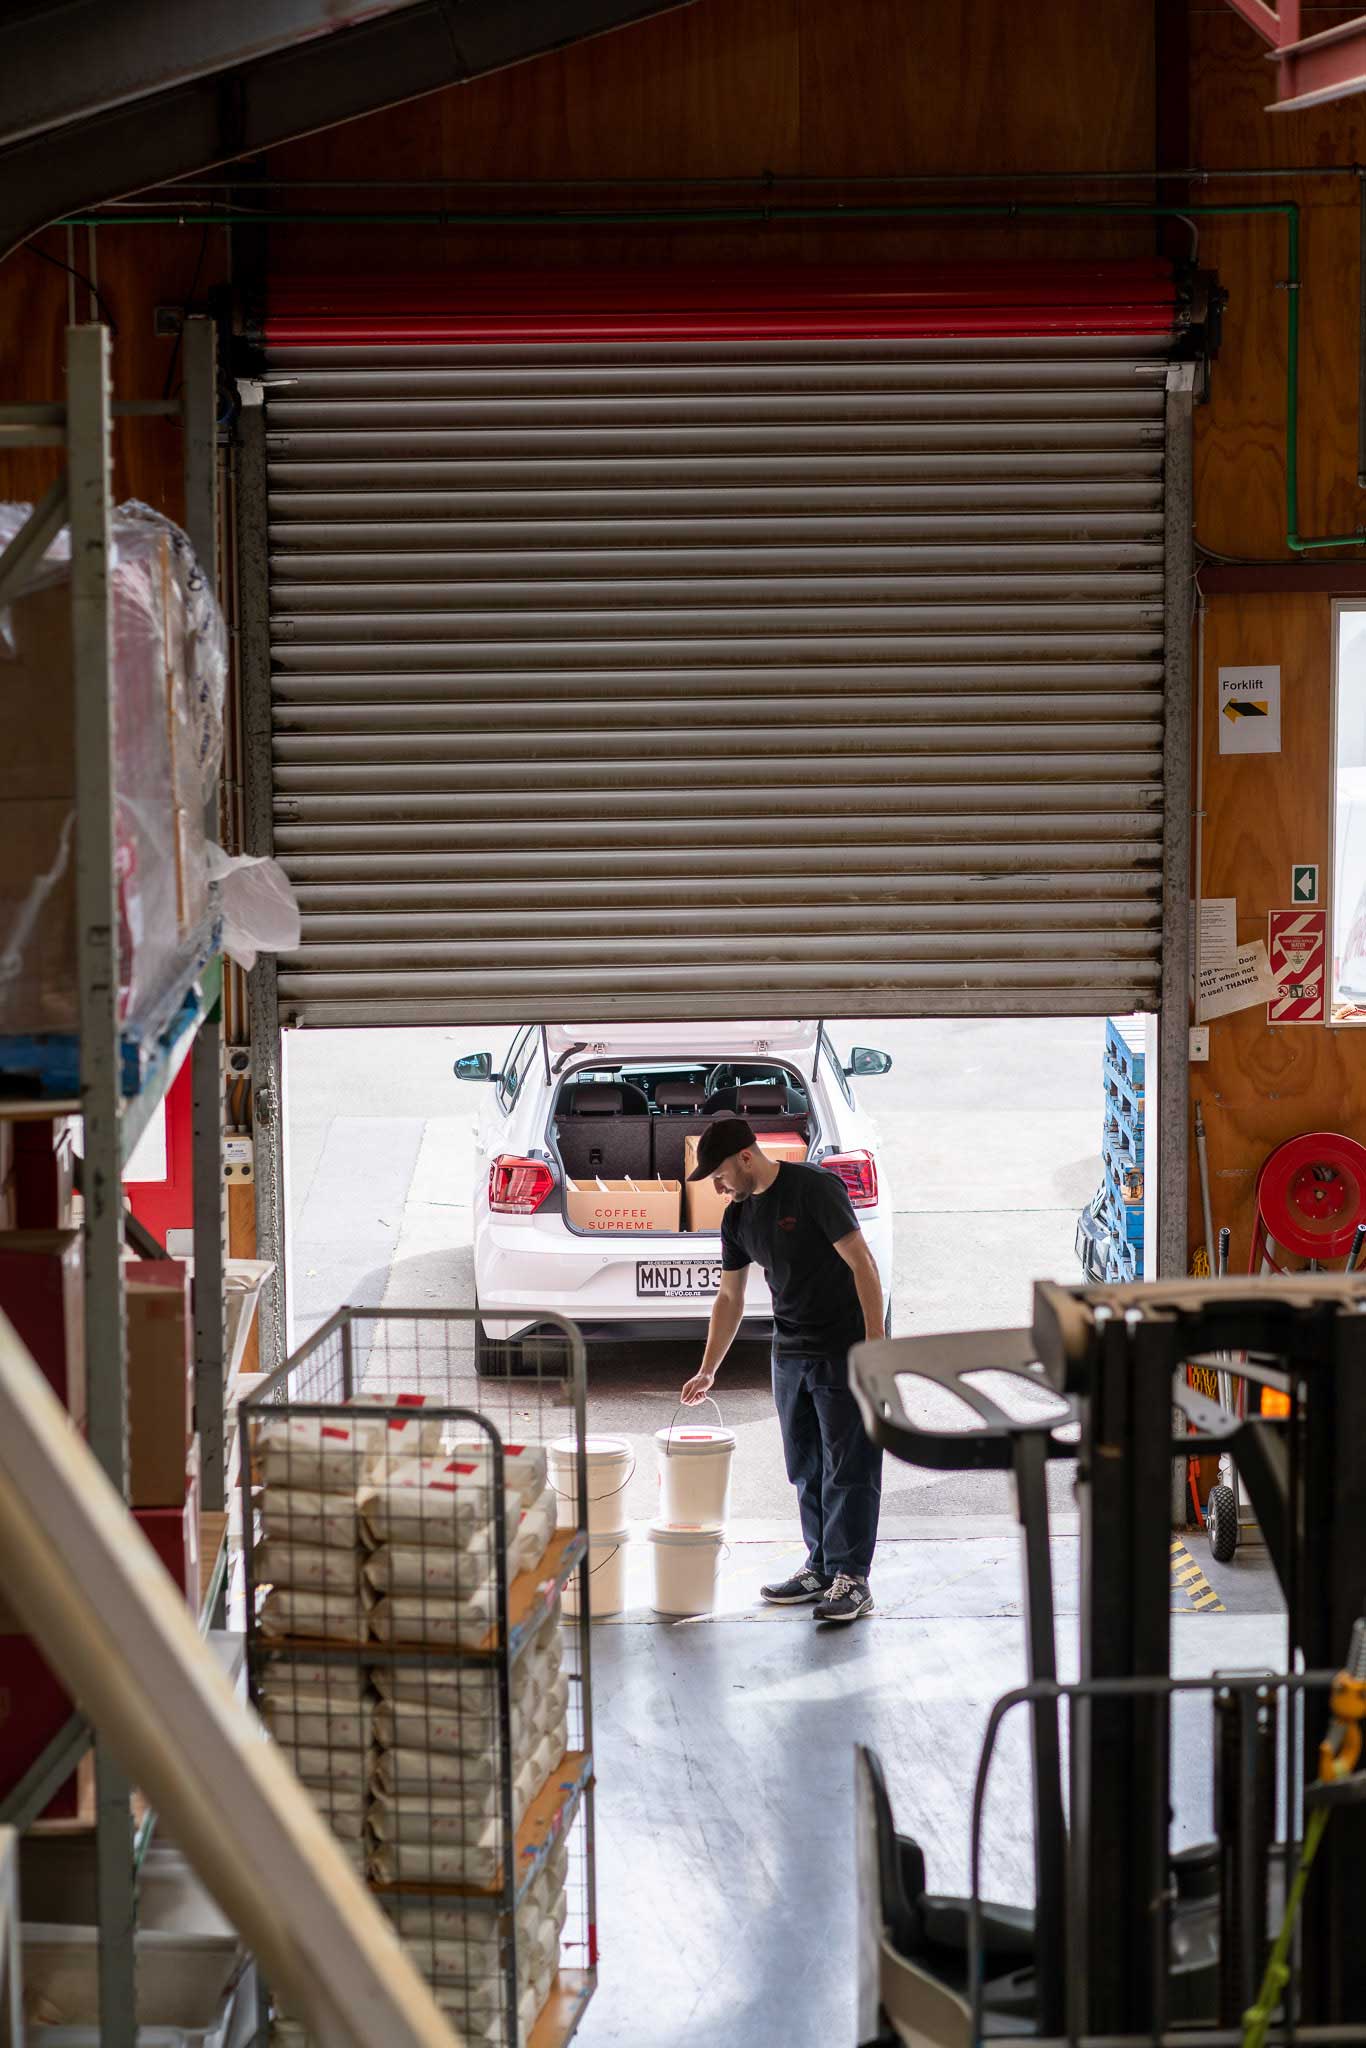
point(137, 270)
point(736, 88)
point(1263, 1085)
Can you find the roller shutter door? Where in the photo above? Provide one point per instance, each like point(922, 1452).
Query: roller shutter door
point(646, 648)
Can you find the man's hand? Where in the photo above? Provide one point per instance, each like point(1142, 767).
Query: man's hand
point(698, 1388)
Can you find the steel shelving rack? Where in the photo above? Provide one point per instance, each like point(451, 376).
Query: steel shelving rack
point(81, 426)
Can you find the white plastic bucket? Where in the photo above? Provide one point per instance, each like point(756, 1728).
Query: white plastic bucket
point(685, 1563)
point(610, 1462)
point(606, 1576)
point(694, 1474)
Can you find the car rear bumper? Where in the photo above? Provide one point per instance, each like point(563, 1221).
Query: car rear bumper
point(529, 1269)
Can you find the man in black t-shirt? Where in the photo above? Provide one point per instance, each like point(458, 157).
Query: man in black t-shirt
point(798, 1224)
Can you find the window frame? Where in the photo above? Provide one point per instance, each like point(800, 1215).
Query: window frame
point(1328, 893)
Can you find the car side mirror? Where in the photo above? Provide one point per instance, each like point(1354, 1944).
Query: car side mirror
point(864, 1060)
point(476, 1066)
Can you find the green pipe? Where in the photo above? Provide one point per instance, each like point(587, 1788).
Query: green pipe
point(770, 216)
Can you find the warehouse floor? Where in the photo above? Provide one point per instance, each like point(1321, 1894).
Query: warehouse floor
point(725, 1772)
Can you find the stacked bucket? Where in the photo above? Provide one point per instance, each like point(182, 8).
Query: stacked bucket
point(610, 1463)
point(687, 1535)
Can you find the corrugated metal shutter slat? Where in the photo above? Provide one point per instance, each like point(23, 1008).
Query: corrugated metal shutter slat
point(596, 661)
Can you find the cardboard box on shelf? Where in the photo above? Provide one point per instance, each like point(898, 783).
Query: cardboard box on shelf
point(160, 1380)
point(704, 1205)
point(174, 1532)
point(623, 1204)
point(33, 1709)
point(44, 1173)
point(38, 901)
point(41, 1293)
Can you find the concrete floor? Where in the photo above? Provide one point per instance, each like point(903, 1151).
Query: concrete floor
point(725, 1759)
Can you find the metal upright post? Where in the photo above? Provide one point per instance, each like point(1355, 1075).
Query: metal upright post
point(267, 1092)
point(1329, 1548)
point(89, 471)
point(199, 412)
point(1119, 1748)
point(200, 415)
point(1174, 1040)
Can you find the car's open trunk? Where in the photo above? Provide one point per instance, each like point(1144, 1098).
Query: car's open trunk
point(626, 1154)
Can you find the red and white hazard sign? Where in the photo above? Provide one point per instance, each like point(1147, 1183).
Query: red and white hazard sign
point(1298, 946)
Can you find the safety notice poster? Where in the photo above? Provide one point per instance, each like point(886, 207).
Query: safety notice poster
point(1297, 943)
point(1250, 710)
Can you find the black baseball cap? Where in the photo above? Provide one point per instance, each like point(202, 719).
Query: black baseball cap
point(721, 1141)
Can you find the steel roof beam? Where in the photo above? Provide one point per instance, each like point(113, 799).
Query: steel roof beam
point(68, 62)
point(277, 98)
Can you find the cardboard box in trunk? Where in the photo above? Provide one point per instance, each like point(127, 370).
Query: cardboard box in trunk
point(705, 1206)
point(160, 1380)
point(623, 1204)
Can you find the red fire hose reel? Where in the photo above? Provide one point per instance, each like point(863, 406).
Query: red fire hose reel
point(1311, 1195)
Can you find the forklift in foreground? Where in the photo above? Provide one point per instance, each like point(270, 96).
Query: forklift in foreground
point(1126, 1942)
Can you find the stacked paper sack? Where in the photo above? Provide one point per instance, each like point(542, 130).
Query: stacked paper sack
point(406, 1758)
point(463, 1957)
point(319, 1711)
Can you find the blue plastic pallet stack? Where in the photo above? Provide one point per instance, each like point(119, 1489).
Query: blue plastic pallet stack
point(1121, 1212)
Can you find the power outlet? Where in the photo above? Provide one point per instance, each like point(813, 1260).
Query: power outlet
point(238, 1158)
point(1199, 1045)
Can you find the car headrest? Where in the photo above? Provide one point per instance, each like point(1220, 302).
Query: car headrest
point(683, 1095)
point(597, 1098)
point(761, 1098)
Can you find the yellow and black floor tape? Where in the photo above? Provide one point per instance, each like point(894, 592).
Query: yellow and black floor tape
point(1188, 1578)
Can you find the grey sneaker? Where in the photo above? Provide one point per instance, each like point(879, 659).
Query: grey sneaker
point(802, 1587)
point(848, 1600)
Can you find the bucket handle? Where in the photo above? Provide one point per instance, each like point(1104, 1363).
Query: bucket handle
point(611, 1494)
point(668, 1446)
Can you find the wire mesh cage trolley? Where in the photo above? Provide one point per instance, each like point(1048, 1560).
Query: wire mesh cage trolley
point(405, 1555)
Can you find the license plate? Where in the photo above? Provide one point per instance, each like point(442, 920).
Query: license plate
point(675, 1280)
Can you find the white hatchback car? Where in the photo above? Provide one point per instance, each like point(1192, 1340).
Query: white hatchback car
point(619, 1102)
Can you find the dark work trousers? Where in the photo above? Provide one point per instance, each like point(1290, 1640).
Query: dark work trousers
point(832, 1462)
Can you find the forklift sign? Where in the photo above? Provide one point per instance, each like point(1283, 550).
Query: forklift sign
point(1298, 946)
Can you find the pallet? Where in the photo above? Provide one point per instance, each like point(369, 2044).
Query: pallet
point(1124, 1218)
point(1127, 1059)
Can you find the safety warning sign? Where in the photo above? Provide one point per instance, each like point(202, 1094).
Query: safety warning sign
point(1250, 710)
point(1298, 947)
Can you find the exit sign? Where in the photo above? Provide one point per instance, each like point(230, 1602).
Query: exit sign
point(1304, 883)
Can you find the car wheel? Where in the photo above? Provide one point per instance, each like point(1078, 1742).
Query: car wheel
point(1221, 1523)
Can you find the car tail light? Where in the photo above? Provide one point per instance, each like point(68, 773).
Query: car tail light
point(517, 1187)
point(858, 1171)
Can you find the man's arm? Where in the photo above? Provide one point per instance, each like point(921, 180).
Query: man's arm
point(853, 1249)
point(727, 1312)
